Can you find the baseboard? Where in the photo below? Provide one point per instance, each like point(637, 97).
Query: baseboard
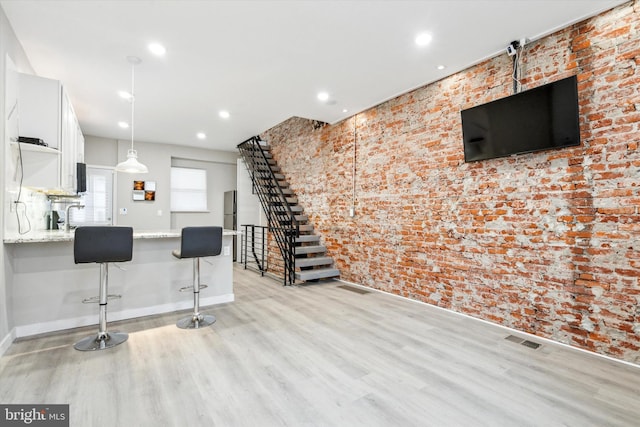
point(507, 328)
point(7, 341)
point(76, 322)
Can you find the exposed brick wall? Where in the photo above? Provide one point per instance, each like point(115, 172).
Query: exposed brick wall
point(547, 243)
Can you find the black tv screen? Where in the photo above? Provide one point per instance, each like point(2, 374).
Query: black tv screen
point(81, 178)
point(537, 119)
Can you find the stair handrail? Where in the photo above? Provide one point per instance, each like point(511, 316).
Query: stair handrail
point(259, 260)
point(256, 143)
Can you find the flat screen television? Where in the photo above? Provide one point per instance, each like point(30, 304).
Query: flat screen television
point(81, 178)
point(538, 119)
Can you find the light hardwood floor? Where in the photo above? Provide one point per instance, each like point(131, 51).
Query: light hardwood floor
point(319, 355)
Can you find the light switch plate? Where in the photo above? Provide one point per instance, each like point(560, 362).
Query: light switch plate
point(227, 252)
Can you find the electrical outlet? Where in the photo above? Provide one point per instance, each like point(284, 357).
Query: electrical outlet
point(227, 251)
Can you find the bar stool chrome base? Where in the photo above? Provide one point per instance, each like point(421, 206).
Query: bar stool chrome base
point(101, 341)
point(196, 321)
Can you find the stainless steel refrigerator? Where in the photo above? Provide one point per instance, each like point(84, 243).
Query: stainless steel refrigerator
point(230, 216)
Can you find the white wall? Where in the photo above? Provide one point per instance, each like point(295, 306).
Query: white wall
point(248, 204)
point(9, 47)
point(249, 208)
point(156, 215)
point(221, 177)
point(102, 152)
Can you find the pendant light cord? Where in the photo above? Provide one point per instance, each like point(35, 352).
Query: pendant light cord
point(133, 100)
point(132, 165)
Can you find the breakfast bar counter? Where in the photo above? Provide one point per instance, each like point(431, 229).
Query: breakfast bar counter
point(46, 287)
point(44, 236)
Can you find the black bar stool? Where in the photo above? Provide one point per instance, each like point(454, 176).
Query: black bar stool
point(102, 245)
point(196, 243)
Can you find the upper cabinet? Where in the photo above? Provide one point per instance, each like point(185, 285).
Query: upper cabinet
point(46, 113)
point(40, 109)
point(71, 145)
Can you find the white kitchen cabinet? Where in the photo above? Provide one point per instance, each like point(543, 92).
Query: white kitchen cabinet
point(72, 146)
point(45, 112)
point(40, 109)
point(39, 166)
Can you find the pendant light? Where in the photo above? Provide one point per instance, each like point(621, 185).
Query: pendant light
point(132, 165)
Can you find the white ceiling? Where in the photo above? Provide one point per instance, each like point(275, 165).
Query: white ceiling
point(262, 60)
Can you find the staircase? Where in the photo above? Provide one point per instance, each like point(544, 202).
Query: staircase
point(304, 258)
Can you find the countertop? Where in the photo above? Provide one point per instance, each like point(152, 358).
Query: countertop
point(45, 236)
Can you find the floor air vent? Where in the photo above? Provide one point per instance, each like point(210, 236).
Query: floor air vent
point(354, 289)
point(525, 343)
point(531, 344)
point(514, 339)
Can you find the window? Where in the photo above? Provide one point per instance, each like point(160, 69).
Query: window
point(188, 190)
point(97, 201)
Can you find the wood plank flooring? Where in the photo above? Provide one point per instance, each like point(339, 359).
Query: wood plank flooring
point(319, 355)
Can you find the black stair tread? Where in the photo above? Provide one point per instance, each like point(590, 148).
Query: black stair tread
point(259, 161)
point(267, 178)
point(311, 249)
point(262, 167)
point(256, 155)
point(269, 183)
point(289, 201)
point(307, 238)
point(267, 175)
point(313, 261)
point(317, 273)
point(273, 194)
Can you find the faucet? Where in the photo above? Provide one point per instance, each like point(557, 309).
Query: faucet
point(67, 220)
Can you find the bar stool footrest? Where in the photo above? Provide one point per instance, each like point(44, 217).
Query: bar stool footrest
point(96, 299)
point(190, 288)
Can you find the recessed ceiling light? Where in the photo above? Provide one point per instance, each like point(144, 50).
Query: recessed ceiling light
point(157, 49)
point(323, 96)
point(123, 125)
point(224, 114)
point(201, 135)
point(423, 39)
point(441, 67)
point(124, 94)
point(344, 110)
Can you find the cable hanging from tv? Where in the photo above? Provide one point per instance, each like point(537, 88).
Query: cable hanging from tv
point(515, 51)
